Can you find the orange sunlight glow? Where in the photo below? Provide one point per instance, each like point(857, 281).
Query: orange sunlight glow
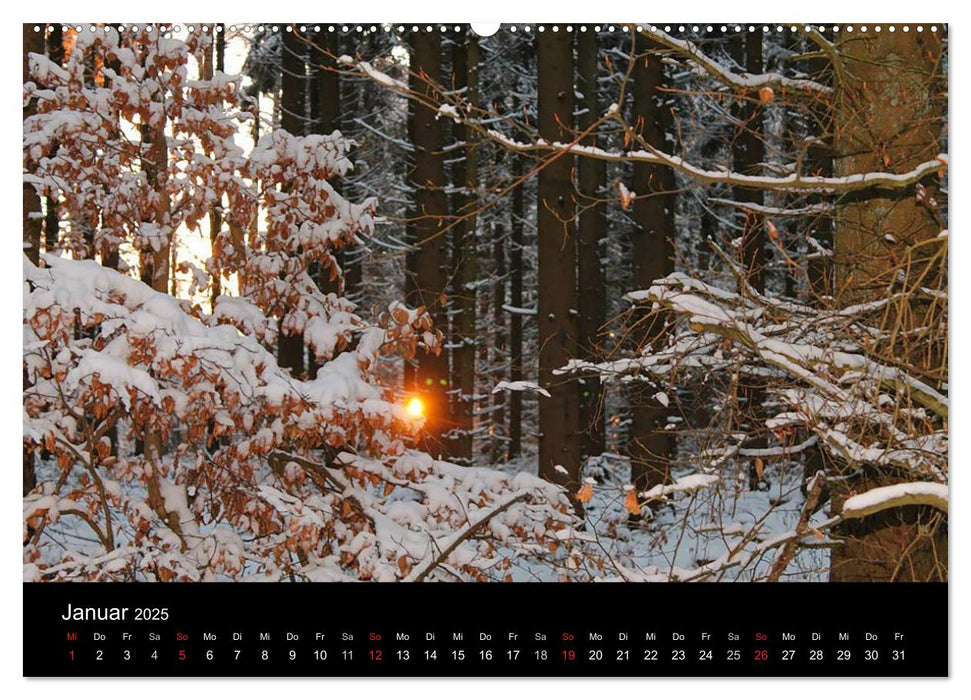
point(415, 408)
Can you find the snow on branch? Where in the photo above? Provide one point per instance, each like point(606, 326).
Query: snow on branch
point(520, 386)
point(788, 183)
point(856, 405)
point(462, 112)
point(741, 81)
point(776, 212)
point(268, 508)
point(686, 484)
point(440, 550)
point(921, 493)
point(798, 359)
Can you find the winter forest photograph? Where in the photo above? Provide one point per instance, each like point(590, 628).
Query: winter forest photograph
point(560, 303)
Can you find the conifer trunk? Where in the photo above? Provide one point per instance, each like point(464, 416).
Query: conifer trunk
point(650, 445)
point(465, 66)
point(430, 259)
point(516, 271)
point(591, 231)
point(748, 155)
point(559, 443)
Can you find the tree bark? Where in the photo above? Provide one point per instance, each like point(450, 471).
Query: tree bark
point(890, 108)
point(516, 271)
point(465, 67)
point(353, 255)
point(52, 222)
point(650, 445)
point(559, 443)
point(819, 161)
point(591, 231)
point(748, 155)
point(430, 259)
point(155, 263)
point(410, 374)
point(33, 43)
point(499, 341)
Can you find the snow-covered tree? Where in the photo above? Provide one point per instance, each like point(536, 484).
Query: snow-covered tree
point(169, 443)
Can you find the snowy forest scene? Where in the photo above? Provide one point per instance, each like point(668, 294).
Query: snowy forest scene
point(561, 303)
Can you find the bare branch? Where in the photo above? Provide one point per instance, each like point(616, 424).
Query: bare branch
point(740, 81)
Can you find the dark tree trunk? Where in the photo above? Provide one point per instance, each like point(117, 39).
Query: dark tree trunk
point(591, 230)
point(465, 66)
point(431, 259)
point(559, 443)
point(410, 378)
point(499, 340)
point(819, 161)
point(155, 264)
point(352, 256)
point(293, 119)
point(748, 154)
point(651, 446)
point(52, 222)
point(516, 319)
point(708, 224)
point(33, 43)
point(889, 108)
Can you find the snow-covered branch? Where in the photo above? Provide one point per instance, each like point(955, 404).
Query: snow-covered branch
point(921, 493)
point(740, 81)
point(464, 113)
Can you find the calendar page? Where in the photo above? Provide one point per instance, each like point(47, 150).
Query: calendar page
point(396, 349)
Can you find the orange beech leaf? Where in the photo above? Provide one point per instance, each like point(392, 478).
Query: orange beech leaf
point(626, 196)
point(585, 493)
point(772, 230)
point(766, 95)
point(631, 504)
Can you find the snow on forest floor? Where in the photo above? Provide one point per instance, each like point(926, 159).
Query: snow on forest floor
point(674, 536)
point(687, 530)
